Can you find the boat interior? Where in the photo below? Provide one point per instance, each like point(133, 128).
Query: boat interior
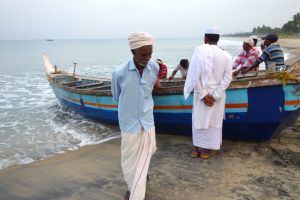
point(102, 86)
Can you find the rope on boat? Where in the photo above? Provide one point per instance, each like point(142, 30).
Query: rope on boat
point(288, 75)
point(294, 67)
point(284, 76)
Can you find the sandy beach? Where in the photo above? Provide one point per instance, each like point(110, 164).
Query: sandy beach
point(293, 46)
point(241, 170)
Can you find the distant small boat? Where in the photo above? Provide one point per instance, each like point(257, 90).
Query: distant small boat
point(49, 40)
point(255, 106)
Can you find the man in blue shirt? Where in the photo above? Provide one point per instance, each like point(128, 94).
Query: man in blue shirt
point(272, 53)
point(132, 85)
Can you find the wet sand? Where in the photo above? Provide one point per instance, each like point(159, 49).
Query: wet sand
point(293, 47)
point(241, 170)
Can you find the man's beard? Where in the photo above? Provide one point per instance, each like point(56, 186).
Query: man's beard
point(144, 64)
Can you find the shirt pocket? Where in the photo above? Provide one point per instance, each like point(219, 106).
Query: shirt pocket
point(147, 85)
point(147, 91)
point(148, 100)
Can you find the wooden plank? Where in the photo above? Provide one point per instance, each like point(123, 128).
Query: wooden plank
point(101, 87)
point(88, 85)
point(72, 82)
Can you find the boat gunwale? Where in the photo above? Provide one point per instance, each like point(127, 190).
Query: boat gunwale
point(262, 80)
point(171, 90)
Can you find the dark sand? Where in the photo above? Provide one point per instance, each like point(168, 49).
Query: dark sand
point(242, 170)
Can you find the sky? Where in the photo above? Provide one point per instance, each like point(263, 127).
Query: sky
point(96, 19)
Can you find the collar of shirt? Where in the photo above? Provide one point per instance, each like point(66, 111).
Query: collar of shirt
point(133, 67)
point(275, 43)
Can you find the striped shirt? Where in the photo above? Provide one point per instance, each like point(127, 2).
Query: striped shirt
point(272, 54)
point(246, 58)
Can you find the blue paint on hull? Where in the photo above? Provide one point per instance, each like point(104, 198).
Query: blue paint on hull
point(258, 121)
point(180, 124)
point(106, 116)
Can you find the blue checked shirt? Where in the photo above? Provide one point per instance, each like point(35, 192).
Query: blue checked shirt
point(133, 94)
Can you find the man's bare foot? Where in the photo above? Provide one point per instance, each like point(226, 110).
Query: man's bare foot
point(195, 152)
point(207, 153)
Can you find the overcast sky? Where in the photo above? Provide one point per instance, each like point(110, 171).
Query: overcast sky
point(68, 19)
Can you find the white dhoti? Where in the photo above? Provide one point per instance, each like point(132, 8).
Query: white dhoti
point(210, 138)
point(136, 153)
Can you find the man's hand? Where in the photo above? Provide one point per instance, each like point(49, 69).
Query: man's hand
point(209, 100)
point(244, 71)
point(157, 84)
point(235, 73)
point(171, 78)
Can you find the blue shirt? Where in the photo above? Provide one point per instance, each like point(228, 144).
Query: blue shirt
point(272, 53)
point(133, 93)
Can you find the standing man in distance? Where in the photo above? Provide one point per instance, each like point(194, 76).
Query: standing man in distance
point(132, 85)
point(209, 75)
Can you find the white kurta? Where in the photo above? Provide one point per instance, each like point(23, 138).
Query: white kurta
point(136, 153)
point(210, 72)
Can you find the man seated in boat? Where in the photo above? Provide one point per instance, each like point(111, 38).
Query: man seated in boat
point(246, 57)
point(163, 69)
point(272, 53)
point(183, 66)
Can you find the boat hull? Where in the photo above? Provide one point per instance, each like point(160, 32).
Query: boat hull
point(250, 113)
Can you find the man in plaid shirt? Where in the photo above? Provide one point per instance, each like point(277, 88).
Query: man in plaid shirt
point(246, 58)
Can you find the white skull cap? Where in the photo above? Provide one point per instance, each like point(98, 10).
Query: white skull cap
point(212, 30)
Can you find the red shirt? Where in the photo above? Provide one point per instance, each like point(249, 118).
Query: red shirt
point(163, 70)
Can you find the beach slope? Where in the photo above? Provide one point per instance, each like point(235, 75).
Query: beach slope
point(242, 170)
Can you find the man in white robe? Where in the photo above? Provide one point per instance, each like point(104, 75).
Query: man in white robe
point(132, 85)
point(209, 75)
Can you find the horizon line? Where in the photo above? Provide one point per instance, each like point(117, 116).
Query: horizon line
point(117, 38)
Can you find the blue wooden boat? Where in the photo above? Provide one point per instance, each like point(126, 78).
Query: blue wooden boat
point(256, 107)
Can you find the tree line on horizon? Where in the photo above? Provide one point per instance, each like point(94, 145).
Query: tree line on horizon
point(292, 27)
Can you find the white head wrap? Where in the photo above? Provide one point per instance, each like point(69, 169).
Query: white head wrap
point(249, 41)
point(139, 39)
point(212, 30)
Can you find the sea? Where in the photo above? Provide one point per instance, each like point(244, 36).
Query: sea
point(33, 126)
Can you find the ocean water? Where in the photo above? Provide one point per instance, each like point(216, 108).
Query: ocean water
point(32, 124)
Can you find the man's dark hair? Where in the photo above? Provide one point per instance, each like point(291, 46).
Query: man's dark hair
point(184, 62)
point(213, 37)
